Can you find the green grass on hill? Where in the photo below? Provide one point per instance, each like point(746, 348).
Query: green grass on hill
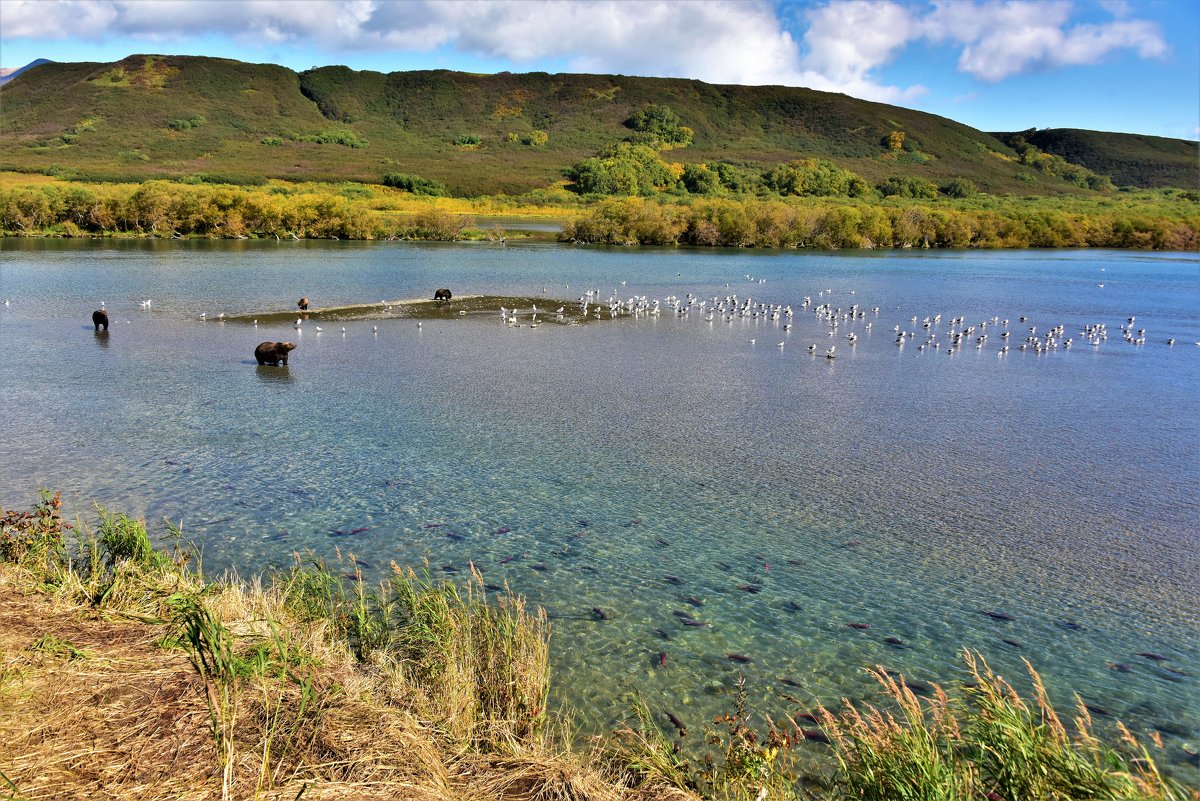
point(1129, 159)
point(474, 134)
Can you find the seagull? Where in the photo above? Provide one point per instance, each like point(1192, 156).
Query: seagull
point(343, 329)
point(294, 325)
point(374, 329)
point(256, 323)
point(318, 329)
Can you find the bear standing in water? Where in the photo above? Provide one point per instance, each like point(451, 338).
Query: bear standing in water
point(273, 353)
point(303, 304)
point(100, 318)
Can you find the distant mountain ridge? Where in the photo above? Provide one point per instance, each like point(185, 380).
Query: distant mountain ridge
point(198, 118)
point(7, 75)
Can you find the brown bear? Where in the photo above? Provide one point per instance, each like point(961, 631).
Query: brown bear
point(100, 318)
point(303, 304)
point(442, 294)
point(273, 353)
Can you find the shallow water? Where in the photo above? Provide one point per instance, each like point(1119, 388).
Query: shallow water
point(787, 495)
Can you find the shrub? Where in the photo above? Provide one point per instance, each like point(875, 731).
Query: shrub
point(37, 534)
point(435, 224)
point(700, 180)
point(195, 121)
point(623, 169)
point(814, 177)
point(908, 186)
point(414, 183)
point(273, 141)
point(660, 126)
point(335, 137)
point(961, 188)
point(466, 140)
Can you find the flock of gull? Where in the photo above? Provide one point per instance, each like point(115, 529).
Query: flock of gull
point(840, 323)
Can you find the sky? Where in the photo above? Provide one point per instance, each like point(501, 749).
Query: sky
point(1111, 65)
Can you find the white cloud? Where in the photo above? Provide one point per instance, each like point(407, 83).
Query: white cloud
point(848, 40)
point(1001, 39)
point(58, 19)
point(717, 41)
point(847, 44)
point(1118, 8)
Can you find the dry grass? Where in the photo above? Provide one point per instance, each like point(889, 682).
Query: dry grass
point(125, 722)
point(125, 675)
point(130, 721)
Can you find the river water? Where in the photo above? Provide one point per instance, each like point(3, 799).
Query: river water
point(663, 467)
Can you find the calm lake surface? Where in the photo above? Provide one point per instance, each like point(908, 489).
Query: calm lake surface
point(661, 464)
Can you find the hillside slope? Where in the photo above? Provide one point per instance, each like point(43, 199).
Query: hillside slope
point(1129, 159)
point(212, 119)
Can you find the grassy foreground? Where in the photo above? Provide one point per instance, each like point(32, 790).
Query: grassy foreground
point(124, 673)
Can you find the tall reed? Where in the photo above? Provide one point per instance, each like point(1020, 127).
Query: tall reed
point(209, 645)
point(484, 666)
point(992, 744)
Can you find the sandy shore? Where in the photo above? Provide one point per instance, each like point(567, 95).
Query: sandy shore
point(424, 309)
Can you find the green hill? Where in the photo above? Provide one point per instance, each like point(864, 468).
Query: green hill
point(1129, 159)
point(208, 119)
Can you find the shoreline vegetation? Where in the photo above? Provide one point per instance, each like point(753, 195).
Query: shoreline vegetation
point(42, 206)
point(125, 672)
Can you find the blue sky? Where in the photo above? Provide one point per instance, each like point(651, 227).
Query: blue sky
point(1113, 65)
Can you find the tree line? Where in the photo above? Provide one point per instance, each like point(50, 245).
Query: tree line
point(1164, 220)
point(166, 209)
point(782, 224)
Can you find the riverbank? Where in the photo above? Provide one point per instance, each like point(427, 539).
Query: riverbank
point(125, 673)
point(1166, 219)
